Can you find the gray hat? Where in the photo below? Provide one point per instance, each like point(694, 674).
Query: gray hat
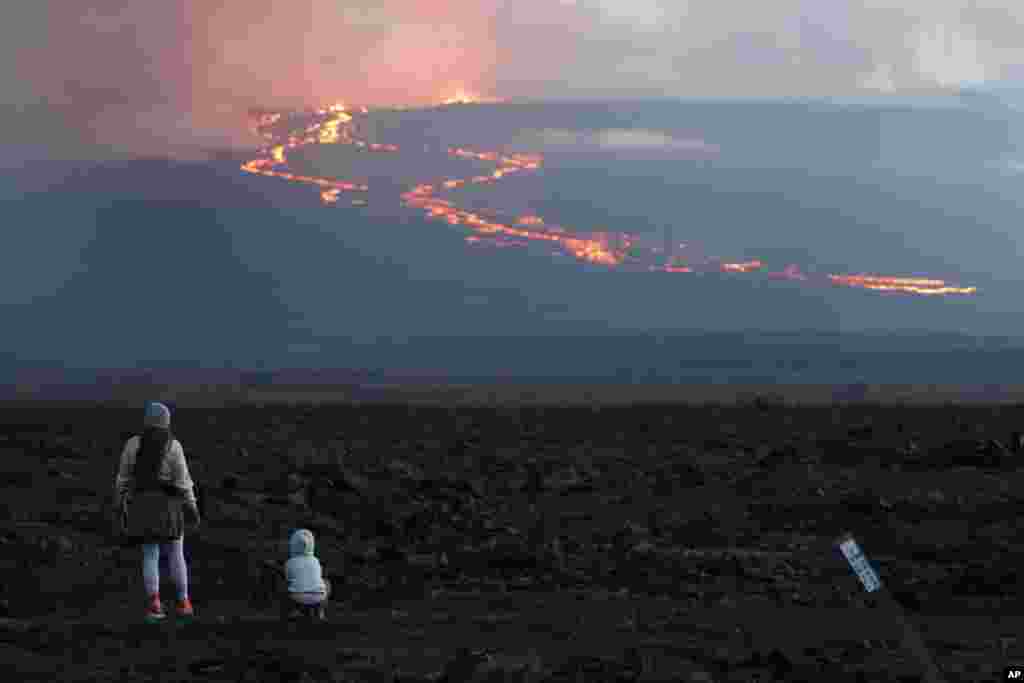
point(158, 415)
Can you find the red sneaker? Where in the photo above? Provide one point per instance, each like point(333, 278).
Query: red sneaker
point(184, 608)
point(154, 611)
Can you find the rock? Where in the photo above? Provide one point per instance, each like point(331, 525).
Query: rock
point(298, 498)
point(278, 484)
point(643, 549)
point(232, 511)
point(64, 545)
point(15, 625)
point(404, 470)
point(909, 600)
point(301, 455)
point(864, 503)
point(296, 482)
point(207, 667)
point(774, 456)
point(514, 667)
point(465, 665)
point(862, 431)
point(55, 547)
point(16, 479)
point(977, 453)
point(774, 661)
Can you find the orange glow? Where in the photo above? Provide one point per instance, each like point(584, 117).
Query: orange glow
point(614, 249)
point(461, 97)
point(745, 267)
point(900, 284)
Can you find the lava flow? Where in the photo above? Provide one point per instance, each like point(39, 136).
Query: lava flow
point(336, 124)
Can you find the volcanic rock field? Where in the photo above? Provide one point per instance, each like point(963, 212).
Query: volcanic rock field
point(527, 543)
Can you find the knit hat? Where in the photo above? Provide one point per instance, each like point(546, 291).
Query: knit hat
point(158, 415)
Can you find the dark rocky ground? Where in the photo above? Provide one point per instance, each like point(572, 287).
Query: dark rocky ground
point(660, 542)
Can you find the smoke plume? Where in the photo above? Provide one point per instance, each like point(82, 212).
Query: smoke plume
point(111, 77)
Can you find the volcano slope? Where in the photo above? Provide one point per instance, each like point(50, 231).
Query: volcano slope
point(648, 542)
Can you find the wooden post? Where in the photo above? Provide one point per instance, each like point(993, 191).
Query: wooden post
point(912, 639)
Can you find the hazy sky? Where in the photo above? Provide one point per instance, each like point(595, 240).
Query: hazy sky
point(151, 76)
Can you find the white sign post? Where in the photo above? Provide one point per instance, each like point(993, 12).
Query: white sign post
point(912, 640)
point(855, 557)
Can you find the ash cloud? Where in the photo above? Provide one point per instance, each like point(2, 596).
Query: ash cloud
point(111, 77)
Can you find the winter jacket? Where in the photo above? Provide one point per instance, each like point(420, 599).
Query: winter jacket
point(155, 492)
point(303, 571)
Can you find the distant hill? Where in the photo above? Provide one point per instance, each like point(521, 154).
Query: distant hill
point(166, 266)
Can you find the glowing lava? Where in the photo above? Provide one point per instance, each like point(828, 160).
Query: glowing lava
point(337, 124)
point(900, 284)
point(745, 267)
point(463, 97)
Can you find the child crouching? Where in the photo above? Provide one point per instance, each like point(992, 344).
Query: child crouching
point(307, 589)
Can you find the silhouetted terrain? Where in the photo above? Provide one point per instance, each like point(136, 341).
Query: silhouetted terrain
point(977, 365)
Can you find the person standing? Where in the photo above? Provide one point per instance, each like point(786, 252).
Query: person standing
point(155, 494)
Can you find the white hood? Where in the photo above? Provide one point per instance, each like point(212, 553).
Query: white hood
point(301, 543)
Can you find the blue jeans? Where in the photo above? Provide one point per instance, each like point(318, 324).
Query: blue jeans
point(174, 552)
point(304, 602)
